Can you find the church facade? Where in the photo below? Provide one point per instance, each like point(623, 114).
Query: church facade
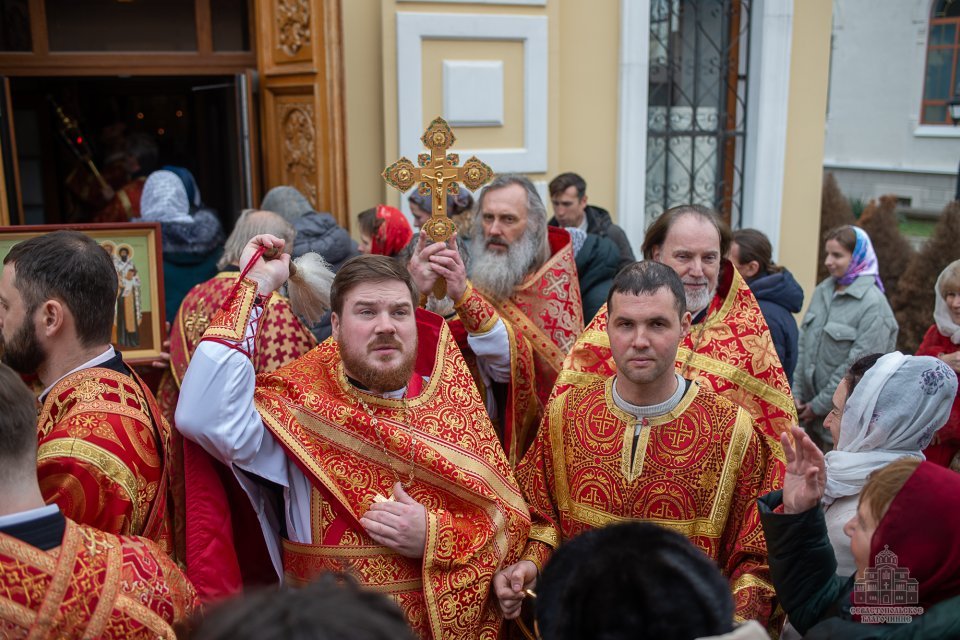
point(653, 102)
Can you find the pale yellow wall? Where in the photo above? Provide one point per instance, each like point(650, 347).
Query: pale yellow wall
point(363, 68)
point(582, 87)
point(806, 116)
point(587, 87)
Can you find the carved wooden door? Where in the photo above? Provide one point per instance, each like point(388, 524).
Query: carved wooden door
point(299, 57)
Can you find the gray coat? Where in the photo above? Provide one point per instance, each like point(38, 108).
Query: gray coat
point(837, 330)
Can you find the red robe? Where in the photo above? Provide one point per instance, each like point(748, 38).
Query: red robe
point(353, 446)
point(103, 455)
point(125, 205)
point(212, 509)
point(946, 442)
point(698, 470)
point(543, 317)
point(730, 352)
point(94, 585)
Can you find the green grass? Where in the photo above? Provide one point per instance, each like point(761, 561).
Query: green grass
point(917, 228)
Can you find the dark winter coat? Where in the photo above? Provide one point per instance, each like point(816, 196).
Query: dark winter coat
point(597, 264)
point(780, 296)
point(599, 223)
point(320, 233)
point(190, 254)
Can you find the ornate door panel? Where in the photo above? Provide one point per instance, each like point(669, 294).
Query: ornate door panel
point(299, 55)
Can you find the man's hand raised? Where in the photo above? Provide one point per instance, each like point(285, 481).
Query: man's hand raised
point(806, 478)
point(268, 274)
point(419, 266)
point(448, 264)
point(509, 585)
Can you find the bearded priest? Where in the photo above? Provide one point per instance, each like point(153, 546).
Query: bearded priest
point(372, 453)
point(520, 311)
point(104, 448)
point(647, 444)
point(728, 348)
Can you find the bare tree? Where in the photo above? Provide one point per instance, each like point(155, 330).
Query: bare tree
point(894, 251)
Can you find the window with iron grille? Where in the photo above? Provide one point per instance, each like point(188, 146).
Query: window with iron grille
point(697, 115)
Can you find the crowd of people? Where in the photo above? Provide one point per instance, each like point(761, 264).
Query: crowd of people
point(559, 442)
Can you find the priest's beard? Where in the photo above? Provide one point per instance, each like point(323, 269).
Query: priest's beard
point(498, 274)
point(24, 353)
point(362, 365)
point(699, 299)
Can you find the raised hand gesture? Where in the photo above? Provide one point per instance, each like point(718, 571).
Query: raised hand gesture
point(806, 477)
point(268, 274)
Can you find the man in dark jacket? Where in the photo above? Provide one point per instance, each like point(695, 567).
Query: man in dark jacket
point(597, 264)
point(568, 193)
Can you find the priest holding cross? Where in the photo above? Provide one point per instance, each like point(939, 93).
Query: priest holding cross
point(519, 311)
point(355, 455)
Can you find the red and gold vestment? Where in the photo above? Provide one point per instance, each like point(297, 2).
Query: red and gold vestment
point(281, 339)
point(730, 352)
point(103, 455)
point(354, 446)
point(94, 585)
point(543, 318)
point(518, 420)
point(698, 470)
point(204, 488)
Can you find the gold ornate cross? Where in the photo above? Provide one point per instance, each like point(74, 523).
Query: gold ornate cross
point(438, 174)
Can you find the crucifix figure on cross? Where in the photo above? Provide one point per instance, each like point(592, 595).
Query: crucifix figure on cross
point(439, 175)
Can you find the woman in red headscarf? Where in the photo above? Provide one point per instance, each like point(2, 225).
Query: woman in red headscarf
point(905, 540)
point(384, 231)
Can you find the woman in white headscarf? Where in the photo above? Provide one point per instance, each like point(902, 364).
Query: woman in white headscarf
point(192, 242)
point(943, 341)
point(885, 408)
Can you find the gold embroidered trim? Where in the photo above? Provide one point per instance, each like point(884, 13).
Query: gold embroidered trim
point(711, 525)
point(429, 592)
point(476, 313)
point(546, 534)
point(748, 580)
point(111, 466)
point(744, 380)
point(231, 324)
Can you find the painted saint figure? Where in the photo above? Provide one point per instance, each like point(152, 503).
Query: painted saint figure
point(129, 312)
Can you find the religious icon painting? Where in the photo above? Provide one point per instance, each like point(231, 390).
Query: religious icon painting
point(135, 249)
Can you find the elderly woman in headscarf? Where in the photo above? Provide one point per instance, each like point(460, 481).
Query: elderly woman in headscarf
point(848, 317)
point(191, 243)
point(942, 340)
point(885, 408)
point(384, 231)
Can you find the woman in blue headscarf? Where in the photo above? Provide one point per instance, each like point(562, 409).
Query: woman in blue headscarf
point(849, 317)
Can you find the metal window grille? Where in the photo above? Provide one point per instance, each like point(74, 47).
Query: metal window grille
point(697, 115)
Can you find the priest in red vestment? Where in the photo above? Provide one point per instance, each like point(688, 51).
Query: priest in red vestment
point(647, 444)
point(372, 453)
point(203, 485)
point(60, 579)
point(519, 313)
point(103, 446)
point(728, 348)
